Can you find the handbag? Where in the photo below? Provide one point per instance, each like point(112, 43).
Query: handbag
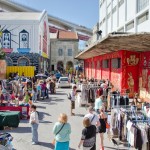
point(93, 118)
point(107, 125)
point(54, 141)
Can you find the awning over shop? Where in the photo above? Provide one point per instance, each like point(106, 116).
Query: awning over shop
point(114, 42)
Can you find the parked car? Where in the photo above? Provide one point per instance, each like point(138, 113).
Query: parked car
point(64, 82)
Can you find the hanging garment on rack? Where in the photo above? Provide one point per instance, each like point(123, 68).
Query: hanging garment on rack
point(82, 97)
point(125, 118)
point(138, 139)
point(91, 96)
point(148, 136)
point(131, 133)
point(137, 136)
point(114, 122)
point(122, 121)
point(124, 100)
point(144, 136)
point(115, 98)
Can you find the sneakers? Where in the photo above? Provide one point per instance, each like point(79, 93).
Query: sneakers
point(34, 143)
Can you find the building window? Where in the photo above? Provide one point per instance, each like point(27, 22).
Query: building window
point(121, 29)
point(101, 23)
point(114, 10)
point(6, 41)
point(108, 16)
point(23, 39)
point(103, 20)
point(116, 63)
point(141, 4)
point(98, 64)
point(60, 52)
point(143, 18)
point(105, 63)
point(121, 2)
point(101, 3)
point(69, 52)
point(130, 25)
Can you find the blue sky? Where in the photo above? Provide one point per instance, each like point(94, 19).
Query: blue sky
point(81, 12)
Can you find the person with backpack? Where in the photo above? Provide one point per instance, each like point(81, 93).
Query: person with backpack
point(73, 94)
point(62, 131)
point(34, 121)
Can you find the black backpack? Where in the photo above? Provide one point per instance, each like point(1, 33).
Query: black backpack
point(38, 115)
point(69, 96)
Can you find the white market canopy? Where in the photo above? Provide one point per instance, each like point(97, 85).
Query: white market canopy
point(113, 42)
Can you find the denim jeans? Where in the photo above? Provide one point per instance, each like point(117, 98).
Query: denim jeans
point(43, 93)
point(38, 94)
point(46, 93)
point(34, 97)
point(34, 129)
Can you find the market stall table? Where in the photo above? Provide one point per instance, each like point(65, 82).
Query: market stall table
point(24, 110)
point(9, 118)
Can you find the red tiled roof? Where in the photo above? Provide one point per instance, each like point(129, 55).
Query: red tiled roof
point(67, 35)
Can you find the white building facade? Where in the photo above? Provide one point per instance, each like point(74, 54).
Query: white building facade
point(24, 34)
point(63, 49)
point(124, 16)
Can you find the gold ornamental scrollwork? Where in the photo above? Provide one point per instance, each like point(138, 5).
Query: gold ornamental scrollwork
point(130, 82)
point(132, 60)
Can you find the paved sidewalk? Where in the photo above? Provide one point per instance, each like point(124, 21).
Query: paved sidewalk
point(49, 112)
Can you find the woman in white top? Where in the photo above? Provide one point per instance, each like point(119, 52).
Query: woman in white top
point(73, 94)
point(34, 121)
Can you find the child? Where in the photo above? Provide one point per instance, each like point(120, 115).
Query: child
point(38, 87)
point(34, 94)
point(27, 97)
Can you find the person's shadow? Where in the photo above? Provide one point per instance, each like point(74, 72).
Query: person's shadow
point(48, 145)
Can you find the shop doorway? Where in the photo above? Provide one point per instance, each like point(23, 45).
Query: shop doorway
point(52, 67)
point(60, 66)
point(23, 61)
